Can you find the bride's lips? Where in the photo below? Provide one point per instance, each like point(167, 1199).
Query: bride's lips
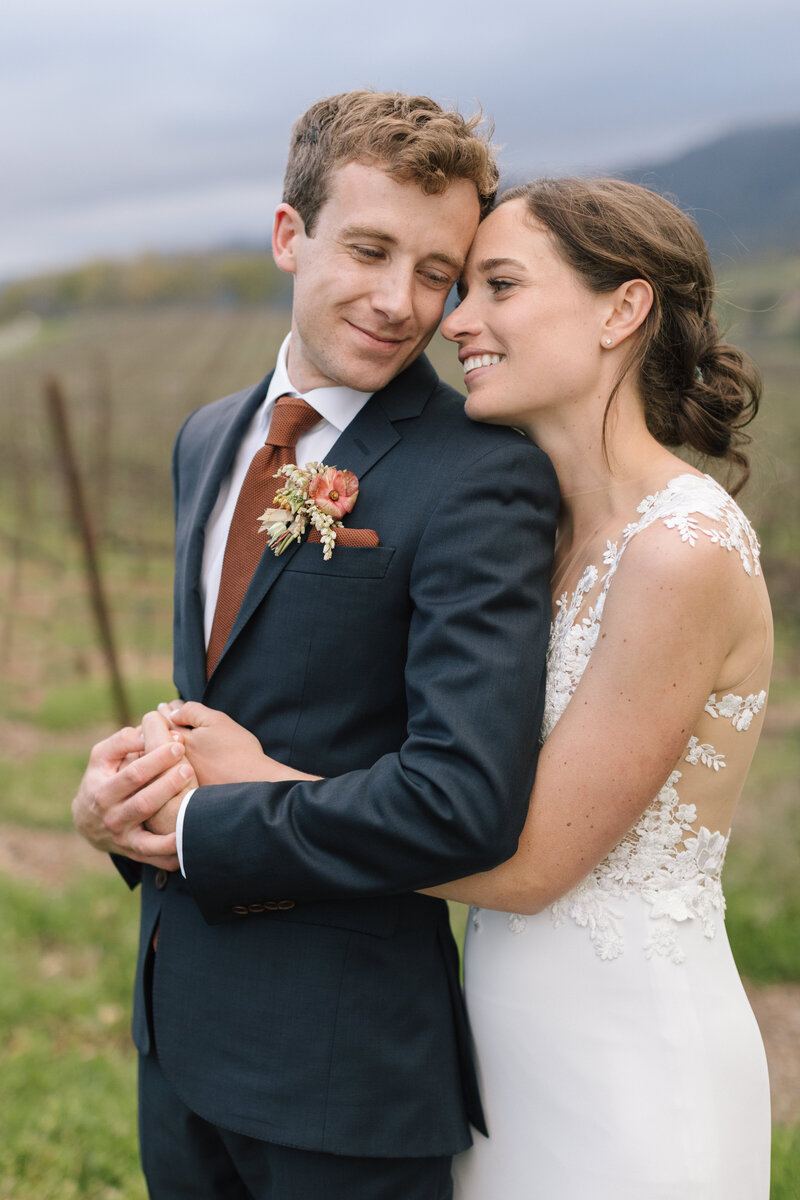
point(376, 341)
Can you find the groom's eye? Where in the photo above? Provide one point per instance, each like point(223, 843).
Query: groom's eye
point(370, 252)
point(437, 279)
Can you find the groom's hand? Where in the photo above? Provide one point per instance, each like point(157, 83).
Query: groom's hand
point(122, 788)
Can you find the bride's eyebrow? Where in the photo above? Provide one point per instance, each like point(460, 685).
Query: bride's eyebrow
point(492, 264)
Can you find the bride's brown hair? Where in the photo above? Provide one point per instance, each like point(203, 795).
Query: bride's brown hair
point(697, 389)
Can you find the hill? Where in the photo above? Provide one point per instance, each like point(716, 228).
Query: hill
point(743, 189)
point(225, 278)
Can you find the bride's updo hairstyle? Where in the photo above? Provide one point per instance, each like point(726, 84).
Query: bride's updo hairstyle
point(698, 390)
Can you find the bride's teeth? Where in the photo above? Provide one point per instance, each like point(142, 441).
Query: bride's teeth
point(481, 360)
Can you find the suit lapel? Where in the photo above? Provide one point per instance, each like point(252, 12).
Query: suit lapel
point(368, 437)
point(218, 455)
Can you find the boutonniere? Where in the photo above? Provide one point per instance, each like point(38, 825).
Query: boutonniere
point(315, 495)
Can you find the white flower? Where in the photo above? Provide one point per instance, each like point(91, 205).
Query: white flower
point(729, 705)
point(662, 941)
point(708, 850)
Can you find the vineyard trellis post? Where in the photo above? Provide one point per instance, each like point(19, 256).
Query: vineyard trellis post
point(59, 416)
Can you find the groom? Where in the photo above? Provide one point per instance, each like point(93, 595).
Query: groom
point(298, 1015)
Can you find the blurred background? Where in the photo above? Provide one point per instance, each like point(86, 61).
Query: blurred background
point(142, 149)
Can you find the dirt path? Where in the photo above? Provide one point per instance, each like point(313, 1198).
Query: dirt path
point(47, 858)
point(52, 859)
point(777, 1009)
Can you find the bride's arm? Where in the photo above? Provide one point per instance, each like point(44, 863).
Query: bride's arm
point(673, 617)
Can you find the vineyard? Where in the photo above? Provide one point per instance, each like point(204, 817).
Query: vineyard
point(67, 927)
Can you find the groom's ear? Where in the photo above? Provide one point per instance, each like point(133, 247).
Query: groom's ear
point(287, 228)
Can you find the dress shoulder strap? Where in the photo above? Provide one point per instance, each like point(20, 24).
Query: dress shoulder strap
point(687, 504)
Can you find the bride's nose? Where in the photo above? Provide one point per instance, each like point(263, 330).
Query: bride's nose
point(462, 322)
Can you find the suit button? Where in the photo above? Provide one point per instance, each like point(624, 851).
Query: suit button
point(240, 910)
point(255, 908)
point(285, 905)
point(162, 878)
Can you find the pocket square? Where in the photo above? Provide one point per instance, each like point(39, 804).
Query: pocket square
point(350, 537)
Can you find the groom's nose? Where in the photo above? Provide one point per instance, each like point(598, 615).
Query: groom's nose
point(393, 295)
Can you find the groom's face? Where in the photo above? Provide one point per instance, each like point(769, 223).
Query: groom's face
point(371, 282)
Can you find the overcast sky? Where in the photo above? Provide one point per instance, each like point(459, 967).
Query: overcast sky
point(128, 125)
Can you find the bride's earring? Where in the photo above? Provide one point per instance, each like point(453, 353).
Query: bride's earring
point(607, 341)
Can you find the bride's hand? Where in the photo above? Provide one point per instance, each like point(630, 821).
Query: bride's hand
point(156, 731)
point(221, 750)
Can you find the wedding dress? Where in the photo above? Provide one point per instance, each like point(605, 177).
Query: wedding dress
point(618, 1055)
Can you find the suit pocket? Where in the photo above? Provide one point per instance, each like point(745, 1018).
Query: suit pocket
point(352, 562)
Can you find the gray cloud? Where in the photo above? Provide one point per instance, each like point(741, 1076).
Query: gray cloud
point(146, 123)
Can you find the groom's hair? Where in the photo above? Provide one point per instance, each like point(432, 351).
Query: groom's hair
point(411, 138)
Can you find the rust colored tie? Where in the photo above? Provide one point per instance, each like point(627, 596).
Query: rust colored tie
point(291, 418)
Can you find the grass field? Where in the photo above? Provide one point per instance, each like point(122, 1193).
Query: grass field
point(67, 925)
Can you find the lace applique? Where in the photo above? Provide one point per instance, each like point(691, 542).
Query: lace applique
point(571, 643)
point(740, 709)
point(662, 858)
point(702, 752)
point(517, 923)
point(689, 495)
point(677, 874)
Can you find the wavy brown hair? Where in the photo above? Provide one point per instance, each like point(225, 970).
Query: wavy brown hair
point(698, 390)
point(411, 138)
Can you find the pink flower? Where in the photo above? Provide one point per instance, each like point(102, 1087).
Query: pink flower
point(334, 492)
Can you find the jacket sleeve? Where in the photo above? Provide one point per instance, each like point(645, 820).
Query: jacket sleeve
point(453, 799)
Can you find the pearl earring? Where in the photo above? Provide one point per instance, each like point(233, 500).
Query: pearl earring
point(607, 341)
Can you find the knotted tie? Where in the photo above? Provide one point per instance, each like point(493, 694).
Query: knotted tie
point(291, 418)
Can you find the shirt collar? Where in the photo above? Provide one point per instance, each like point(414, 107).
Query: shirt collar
point(336, 405)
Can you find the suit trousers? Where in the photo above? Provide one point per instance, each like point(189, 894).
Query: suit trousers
point(185, 1157)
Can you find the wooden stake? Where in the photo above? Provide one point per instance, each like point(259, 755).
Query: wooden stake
point(59, 416)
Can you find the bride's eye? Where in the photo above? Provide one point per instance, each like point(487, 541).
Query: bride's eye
point(500, 285)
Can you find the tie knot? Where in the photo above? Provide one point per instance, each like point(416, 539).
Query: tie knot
point(291, 418)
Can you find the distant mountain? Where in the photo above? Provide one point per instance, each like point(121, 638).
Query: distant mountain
point(743, 189)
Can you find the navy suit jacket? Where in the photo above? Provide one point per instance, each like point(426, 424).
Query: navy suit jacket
point(302, 992)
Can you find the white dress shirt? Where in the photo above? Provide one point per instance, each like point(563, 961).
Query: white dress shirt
point(337, 406)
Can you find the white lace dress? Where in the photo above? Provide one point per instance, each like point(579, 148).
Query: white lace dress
point(618, 1055)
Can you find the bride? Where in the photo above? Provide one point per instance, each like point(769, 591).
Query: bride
point(618, 1054)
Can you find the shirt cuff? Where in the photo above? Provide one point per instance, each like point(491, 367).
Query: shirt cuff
point(179, 827)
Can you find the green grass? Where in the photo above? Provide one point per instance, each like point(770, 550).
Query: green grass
point(761, 881)
point(68, 1080)
point(36, 791)
point(785, 1163)
point(87, 702)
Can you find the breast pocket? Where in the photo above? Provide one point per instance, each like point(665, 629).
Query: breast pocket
point(349, 562)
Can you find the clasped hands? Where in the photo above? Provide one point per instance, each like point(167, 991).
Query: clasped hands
point(131, 792)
